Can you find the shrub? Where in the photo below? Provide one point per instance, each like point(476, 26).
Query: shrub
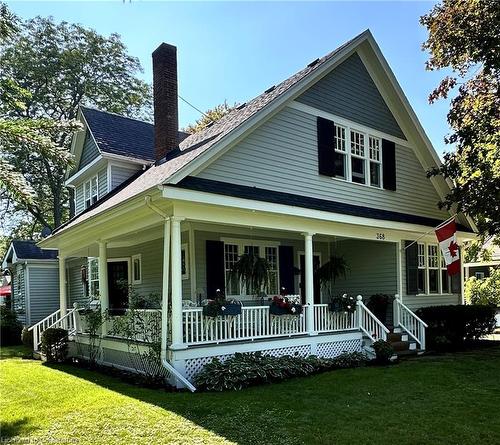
point(27, 337)
point(54, 344)
point(243, 370)
point(10, 327)
point(485, 290)
point(450, 326)
point(383, 352)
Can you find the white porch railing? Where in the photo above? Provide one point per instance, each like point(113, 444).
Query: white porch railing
point(254, 322)
point(407, 320)
point(327, 321)
point(369, 323)
point(54, 320)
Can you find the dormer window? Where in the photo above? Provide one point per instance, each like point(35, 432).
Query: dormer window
point(91, 191)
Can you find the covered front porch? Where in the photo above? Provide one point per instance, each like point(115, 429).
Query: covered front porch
point(184, 251)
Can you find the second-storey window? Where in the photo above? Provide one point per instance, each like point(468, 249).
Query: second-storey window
point(357, 157)
point(358, 167)
point(91, 191)
point(340, 153)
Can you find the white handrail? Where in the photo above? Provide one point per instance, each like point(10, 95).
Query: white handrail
point(410, 322)
point(67, 321)
point(369, 323)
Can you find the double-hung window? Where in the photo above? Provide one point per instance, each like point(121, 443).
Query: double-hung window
point(93, 277)
point(91, 191)
point(432, 275)
point(357, 157)
point(375, 161)
point(233, 249)
point(340, 156)
point(433, 268)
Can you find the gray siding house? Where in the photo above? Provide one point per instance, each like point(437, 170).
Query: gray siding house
point(330, 162)
point(34, 281)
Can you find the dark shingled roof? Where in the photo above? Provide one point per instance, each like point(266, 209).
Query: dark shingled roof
point(28, 250)
point(122, 135)
point(271, 196)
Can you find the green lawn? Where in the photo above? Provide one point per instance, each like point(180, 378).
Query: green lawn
point(452, 399)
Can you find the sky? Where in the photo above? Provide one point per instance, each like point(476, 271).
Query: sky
point(235, 50)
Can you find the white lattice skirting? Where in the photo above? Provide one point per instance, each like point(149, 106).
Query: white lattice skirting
point(325, 350)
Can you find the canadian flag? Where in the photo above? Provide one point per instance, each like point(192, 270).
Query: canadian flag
point(447, 237)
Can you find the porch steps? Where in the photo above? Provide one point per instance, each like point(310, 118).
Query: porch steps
point(401, 344)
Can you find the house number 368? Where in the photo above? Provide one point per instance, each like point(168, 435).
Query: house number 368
point(380, 235)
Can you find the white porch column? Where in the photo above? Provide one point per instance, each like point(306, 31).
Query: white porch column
point(309, 284)
point(103, 279)
point(63, 298)
point(165, 284)
point(177, 334)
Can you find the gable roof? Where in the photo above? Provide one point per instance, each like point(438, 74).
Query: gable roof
point(28, 250)
point(203, 145)
point(122, 135)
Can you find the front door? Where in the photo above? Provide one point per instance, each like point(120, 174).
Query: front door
point(317, 289)
point(118, 286)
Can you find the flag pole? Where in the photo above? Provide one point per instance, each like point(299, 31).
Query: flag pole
point(429, 231)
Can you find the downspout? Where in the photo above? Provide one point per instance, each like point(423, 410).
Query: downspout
point(165, 287)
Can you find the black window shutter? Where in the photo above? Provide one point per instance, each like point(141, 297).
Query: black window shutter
point(411, 254)
point(286, 269)
point(389, 164)
point(326, 141)
point(215, 267)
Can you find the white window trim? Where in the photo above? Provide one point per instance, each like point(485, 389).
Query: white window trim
point(261, 244)
point(440, 268)
point(185, 249)
point(366, 157)
point(133, 258)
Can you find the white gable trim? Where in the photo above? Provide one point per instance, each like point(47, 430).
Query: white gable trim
point(238, 133)
point(347, 123)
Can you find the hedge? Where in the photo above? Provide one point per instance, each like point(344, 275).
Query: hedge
point(451, 326)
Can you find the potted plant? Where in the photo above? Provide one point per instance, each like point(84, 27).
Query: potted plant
point(342, 304)
point(220, 307)
point(252, 271)
point(328, 273)
point(285, 305)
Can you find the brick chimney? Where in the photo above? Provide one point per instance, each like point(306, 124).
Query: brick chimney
point(165, 100)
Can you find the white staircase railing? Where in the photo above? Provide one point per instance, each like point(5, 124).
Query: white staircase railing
point(408, 321)
point(54, 320)
point(368, 323)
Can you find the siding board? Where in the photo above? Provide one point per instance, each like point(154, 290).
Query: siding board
point(43, 292)
point(348, 91)
point(284, 158)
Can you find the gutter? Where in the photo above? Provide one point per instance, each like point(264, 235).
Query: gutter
point(164, 300)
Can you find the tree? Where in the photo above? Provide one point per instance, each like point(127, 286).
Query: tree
point(464, 37)
point(50, 69)
point(210, 116)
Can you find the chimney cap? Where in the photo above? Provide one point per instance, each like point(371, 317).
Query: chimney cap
point(164, 47)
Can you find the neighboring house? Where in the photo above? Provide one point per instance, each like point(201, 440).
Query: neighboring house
point(34, 281)
point(331, 161)
point(481, 269)
point(5, 289)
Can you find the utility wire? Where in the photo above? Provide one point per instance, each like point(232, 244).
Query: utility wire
point(192, 106)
